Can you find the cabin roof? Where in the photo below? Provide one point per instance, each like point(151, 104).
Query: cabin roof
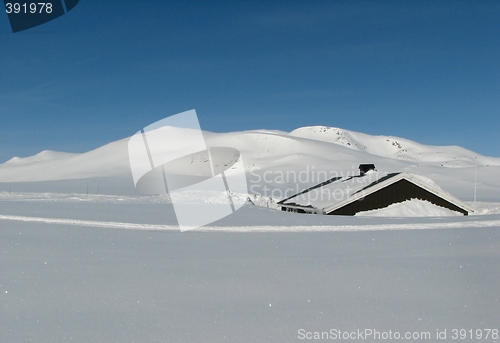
point(335, 193)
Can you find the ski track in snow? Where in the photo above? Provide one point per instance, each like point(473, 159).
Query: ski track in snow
point(268, 228)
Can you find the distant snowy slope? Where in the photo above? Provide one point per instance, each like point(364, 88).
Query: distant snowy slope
point(108, 160)
point(45, 155)
point(395, 147)
point(260, 149)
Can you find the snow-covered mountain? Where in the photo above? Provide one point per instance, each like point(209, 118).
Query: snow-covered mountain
point(45, 155)
point(277, 159)
point(107, 161)
point(395, 147)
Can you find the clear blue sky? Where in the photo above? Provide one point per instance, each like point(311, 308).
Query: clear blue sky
point(424, 70)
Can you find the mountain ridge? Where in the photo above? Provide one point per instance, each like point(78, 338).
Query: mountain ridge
point(394, 147)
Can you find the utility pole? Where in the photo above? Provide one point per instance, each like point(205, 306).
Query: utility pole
point(475, 180)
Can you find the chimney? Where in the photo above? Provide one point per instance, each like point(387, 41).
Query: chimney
point(364, 168)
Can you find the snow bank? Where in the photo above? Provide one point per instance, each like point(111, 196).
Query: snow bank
point(411, 208)
point(482, 208)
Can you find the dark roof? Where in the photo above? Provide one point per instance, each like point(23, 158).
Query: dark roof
point(338, 192)
point(333, 179)
point(387, 177)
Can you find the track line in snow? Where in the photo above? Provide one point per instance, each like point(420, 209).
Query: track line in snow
point(352, 228)
point(92, 223)
point(267, 228)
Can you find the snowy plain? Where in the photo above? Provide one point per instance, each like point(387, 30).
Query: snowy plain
point(113, 267)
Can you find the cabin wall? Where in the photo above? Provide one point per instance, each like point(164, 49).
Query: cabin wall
point(397, 192)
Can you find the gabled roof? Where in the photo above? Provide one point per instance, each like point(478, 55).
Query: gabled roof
point(339, 192)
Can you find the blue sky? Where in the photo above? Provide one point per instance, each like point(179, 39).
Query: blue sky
point(425, 70)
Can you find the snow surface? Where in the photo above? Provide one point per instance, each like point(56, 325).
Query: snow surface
point(78, 268)
point(85, 258)
point(411, 208)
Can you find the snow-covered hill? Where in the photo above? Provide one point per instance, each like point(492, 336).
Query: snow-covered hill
point(395, 147)
point(283, 161)
point(46, 155)
point(107, 161)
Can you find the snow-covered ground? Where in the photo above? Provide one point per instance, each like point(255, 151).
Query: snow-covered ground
point(86, 258)
point(93, 280)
